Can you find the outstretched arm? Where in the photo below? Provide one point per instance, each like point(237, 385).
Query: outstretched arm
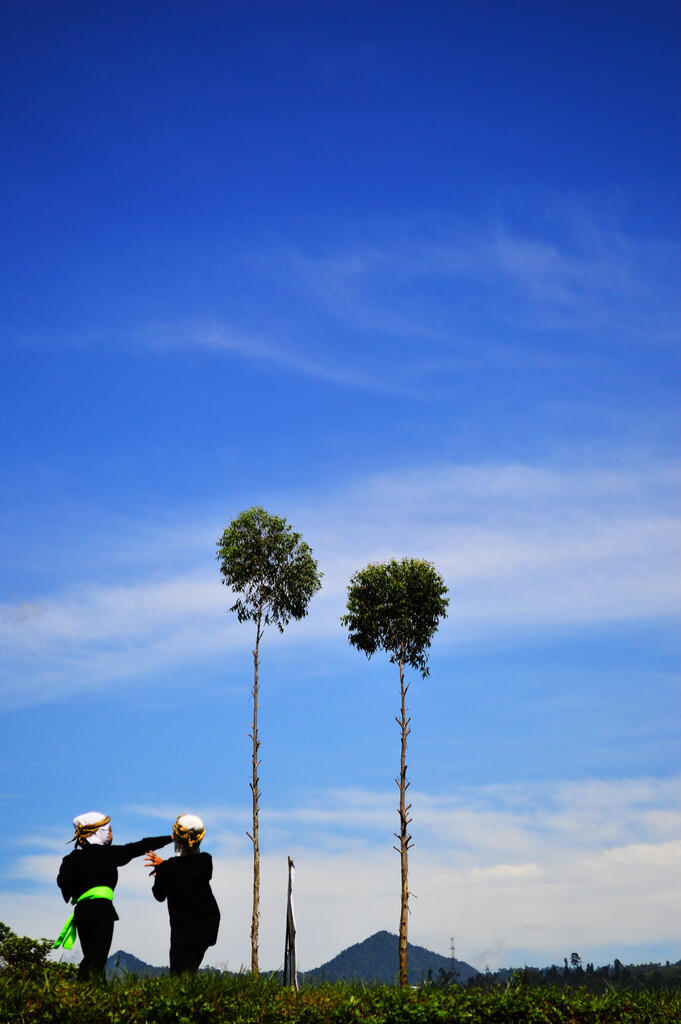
point(124, 854)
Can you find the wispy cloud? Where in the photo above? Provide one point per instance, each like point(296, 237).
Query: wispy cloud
point(279, 354)
point(524, 873)
point(80, 639)
point(455, 287)
point(390, 310)
point(520, 546)
point(432, 298)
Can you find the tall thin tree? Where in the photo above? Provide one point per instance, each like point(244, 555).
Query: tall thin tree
point(272, 570)
point(396, 607)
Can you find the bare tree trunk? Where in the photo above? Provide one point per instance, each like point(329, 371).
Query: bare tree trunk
point(403, 835)
point(255, 794)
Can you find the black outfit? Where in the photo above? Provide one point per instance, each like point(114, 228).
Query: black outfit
point(81, 870)
point(194, 914)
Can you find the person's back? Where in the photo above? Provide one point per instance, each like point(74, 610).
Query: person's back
point(84, 868)
point(87, 866)
point(87, 878)
point(184, 882)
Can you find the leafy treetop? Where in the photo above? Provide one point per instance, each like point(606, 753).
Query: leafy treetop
point(265, 561)
point(396, 607)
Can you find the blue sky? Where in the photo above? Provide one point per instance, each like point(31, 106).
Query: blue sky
point(408, 276)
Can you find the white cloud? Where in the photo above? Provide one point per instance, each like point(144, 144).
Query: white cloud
point(521, 548)
point(516, 873)
point(81, 638)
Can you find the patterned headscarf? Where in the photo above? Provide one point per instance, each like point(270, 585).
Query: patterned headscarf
point(91, 829)
point(188, 831)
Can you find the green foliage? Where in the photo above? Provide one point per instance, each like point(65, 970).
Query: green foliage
point(21, 955)
point(269, 565)
point(396, 607)
point(595, 980)
point(245, 999)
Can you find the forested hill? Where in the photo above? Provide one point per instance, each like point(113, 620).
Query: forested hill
point(121, 963)
point(375, 959)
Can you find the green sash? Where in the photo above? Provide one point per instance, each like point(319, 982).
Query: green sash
point(67, 936)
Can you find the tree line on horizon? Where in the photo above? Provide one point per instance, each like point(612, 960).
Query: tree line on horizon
point(27, 976)
point(576, 975)
point(394, 606)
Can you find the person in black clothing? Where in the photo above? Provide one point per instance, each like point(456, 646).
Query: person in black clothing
point(184, 880)
point(94, 864)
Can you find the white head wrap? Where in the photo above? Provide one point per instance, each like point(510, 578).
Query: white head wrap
point(188, 832)
point(83, 825)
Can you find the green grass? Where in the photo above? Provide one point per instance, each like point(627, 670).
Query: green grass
point(56, 997)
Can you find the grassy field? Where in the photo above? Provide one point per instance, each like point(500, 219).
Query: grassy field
point(34, 990)
point(56, 997)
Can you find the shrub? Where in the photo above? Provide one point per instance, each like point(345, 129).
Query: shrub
point(21, 955)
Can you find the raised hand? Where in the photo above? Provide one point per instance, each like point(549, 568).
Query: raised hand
point(152, 860)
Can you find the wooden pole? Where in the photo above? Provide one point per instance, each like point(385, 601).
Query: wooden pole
point(290, 968)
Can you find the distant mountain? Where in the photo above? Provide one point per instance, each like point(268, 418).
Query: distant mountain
point(125, 963)
point(120, 963)
point(376, 959)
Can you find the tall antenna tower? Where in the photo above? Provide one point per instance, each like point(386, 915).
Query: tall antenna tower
point(452, 953)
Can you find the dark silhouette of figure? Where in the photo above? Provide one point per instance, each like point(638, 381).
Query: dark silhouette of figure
point(88, 876)
point(184, 881)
